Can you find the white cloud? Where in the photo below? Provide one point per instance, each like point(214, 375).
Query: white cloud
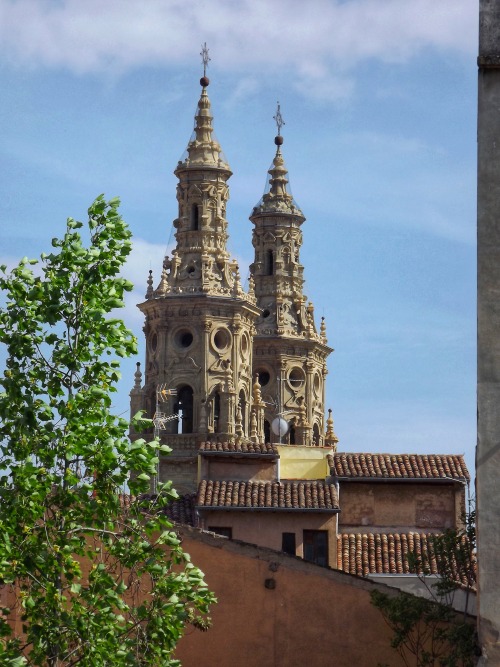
point(318, 41)
point(144, 256)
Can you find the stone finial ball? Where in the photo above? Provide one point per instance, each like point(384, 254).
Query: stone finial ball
point(278, 140)
point(204, 81)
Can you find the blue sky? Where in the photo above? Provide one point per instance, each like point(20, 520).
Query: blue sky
point(379, 101)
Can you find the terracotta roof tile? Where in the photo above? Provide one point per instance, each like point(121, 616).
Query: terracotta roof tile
point(285, 495)
point(385, 553)
point(229, 448)
point(397, 466)
point(180, 510)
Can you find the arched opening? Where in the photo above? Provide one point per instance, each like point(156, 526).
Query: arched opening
point(184, 409)
point(195, 218)
point(292, 432)
point(267, 431)
point(216, 413)
point(316, 435)
point(243, 408)
point(269, 263)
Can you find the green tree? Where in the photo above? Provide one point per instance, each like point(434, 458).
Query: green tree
point(97, 579)
point(429, 629)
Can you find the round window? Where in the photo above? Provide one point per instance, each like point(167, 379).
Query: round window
point(222, 339)
point(183, 338)
point(296, 377)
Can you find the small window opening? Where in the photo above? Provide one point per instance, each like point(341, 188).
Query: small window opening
point(184, 409)
point(243, 408)
point(195, 218)
point(267, 431)
point(316, 547)
point(288, 543)
point(216, 412)
point(264, 378)
point(269, 263)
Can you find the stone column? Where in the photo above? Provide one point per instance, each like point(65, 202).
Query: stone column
point(488, 381)
point(309, 389)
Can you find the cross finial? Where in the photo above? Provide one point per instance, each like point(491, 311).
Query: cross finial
point(279, 119)
point(205, 58)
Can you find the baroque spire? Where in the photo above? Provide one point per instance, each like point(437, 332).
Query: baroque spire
point(200, 262)
point(278, 197)
point(294, 372)
point(203, 148)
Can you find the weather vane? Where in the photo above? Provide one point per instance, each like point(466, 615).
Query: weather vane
point(205, 58)
point(279, 119)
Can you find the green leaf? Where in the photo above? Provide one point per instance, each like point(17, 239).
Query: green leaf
point(65, 533)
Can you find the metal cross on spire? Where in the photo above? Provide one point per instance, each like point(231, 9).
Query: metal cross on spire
point(205, 58)
point(279, 119)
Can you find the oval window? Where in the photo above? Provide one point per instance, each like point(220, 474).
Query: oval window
point(244, 345)
point(317, 384)
point(296, 377)
point(264, 378)
point(183, 338)
point(222, 339)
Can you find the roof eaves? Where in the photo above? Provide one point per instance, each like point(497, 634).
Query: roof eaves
point(433, 480)
point(252, 455)
point(234, 508)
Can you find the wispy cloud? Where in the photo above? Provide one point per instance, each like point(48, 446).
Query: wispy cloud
point(319, 40)
point(144, 257)
point(401, 182)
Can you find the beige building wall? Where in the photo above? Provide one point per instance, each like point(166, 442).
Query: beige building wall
point(266, 528)
point(279, 611)
point(234, 469)
point(407, 506)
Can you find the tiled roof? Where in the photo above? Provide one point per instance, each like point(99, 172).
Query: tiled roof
point(381, 553)
point(231, 448)
point(398, 466)
point(180, 510)
point(385, 553)
point(285, 495)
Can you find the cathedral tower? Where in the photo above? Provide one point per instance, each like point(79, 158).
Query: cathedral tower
point(199, 321)
point(289, 353)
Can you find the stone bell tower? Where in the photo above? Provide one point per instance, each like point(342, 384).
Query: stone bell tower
point(199, 321)
point(289, 353)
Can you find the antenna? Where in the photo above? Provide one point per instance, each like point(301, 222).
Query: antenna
point(160, 421)
point(279, 425)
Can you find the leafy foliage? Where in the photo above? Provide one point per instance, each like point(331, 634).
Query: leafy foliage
point(91, 574)
point(429, 629)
